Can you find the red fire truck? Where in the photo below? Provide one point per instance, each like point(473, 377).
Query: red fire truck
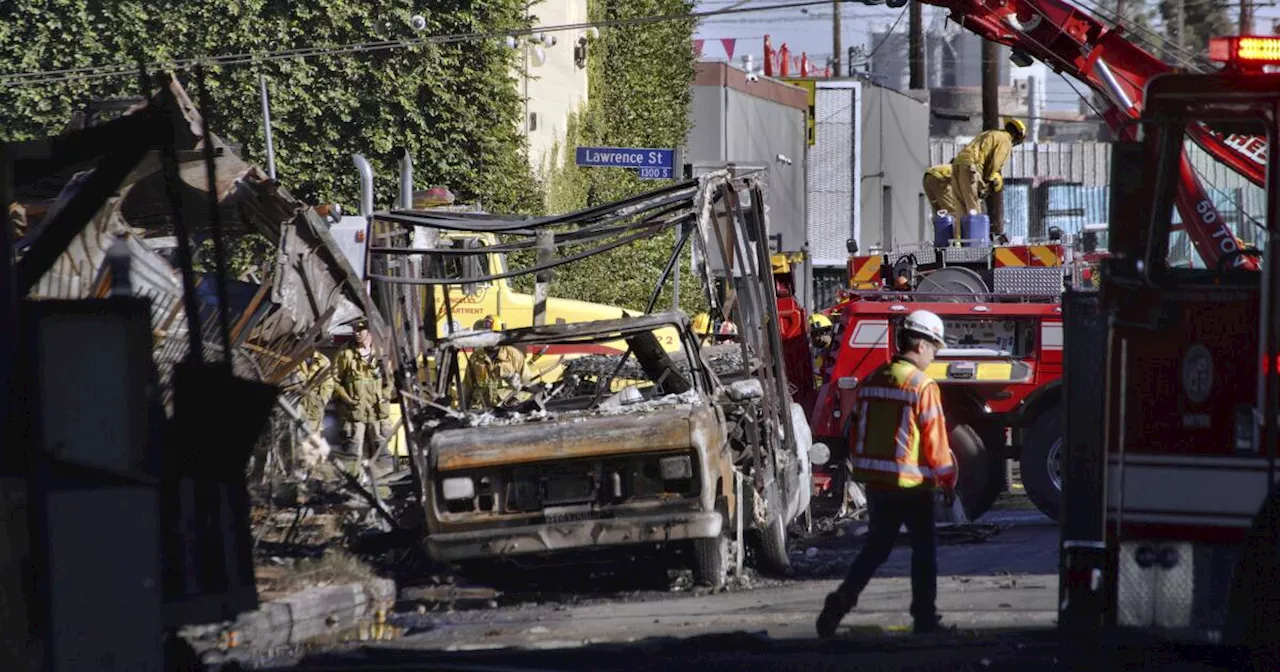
point(1018, 416)
point(1172, 390)
point(1004, 330)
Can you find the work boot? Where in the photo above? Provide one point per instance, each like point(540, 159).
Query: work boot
point(928, 626)
point(834, 609)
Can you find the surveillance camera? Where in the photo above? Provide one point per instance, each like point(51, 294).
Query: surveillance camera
point(418, 22)
point(511, 42)
point(753, 77)
point(549, 40)
point(784, 159)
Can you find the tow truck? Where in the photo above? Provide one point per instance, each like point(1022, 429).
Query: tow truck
point(1017, 417)
point(1171, 522)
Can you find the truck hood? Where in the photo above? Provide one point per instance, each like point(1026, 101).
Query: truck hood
point(672, 428)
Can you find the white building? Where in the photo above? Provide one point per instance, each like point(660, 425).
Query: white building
point(552, 76)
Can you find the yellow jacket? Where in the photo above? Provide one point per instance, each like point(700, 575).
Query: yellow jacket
point(900, 439)
point(315, 374)
point(489, 377)
point(941, 172)
point(988, 151)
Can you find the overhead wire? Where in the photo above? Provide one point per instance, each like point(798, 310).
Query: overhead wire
point(105, 71)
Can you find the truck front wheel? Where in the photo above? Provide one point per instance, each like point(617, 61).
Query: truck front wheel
point(711, 561)
point(772, 540)
point(980, 472)
point(1041, 462)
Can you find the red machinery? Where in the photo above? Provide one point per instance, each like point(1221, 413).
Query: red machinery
point(1172, 523)
point(1004, 332)
point(1019, 418)
point(793, 325)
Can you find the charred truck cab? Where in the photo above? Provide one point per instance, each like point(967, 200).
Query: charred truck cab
point(570, 467)
point(650, 441)
point(1167, 471)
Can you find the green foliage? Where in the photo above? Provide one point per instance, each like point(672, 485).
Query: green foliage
point(246, 253)
point(640, 96)
point(453, 105)
point(1202, 19)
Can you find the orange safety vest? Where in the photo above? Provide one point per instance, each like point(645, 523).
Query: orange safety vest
point(900, 439)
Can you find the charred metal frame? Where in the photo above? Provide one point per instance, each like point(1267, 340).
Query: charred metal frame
point(729, 215)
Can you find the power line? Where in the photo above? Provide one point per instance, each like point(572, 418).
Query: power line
point(131, 70)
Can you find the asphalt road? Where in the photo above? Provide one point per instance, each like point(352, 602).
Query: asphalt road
point(998, 587)
point(995, 577)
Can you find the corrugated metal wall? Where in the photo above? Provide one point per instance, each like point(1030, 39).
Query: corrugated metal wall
point(1065, 185)
point(832, 166)
point(1084, 162)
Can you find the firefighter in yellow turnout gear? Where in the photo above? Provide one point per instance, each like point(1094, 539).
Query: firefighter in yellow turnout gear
point(364, 390)
point(493, 373)
point(315, 385)
point(975, 171)
point(937, 188)
point(821, 336)
point(901, 451)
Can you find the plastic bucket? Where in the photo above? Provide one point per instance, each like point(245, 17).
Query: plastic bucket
point(943, 228)
point(975, 229)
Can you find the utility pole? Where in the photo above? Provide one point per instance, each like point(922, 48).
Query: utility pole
point(1120, 12)
point(915, 43)
point(1182, 23)
point(835, 38)
point(991, 120)
point(1246, 17)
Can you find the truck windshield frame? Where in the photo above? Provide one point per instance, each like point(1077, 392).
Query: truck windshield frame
point(1172, 259)
point(550, 341)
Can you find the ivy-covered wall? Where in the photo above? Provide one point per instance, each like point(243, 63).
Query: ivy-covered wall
point(454, 105)
point(639, 96)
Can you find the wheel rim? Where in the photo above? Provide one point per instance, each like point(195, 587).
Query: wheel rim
point(1054, 464)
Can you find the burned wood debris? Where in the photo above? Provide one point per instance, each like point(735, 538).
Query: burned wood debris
point(275, 322)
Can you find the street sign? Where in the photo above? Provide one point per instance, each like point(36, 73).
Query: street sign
point(649, 164)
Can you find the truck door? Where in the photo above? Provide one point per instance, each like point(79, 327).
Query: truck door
point(1185, 476)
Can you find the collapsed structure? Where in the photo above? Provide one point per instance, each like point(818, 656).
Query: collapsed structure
point(275, 321)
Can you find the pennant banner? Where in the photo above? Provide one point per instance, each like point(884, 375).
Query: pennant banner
point(729, 43)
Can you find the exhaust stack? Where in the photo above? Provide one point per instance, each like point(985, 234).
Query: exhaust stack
point(406, 180)
point(366, 184)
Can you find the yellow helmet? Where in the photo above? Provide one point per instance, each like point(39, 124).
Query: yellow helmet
point(492, 323)
point(1016, 128)
point(702, 324)
point(819, 321)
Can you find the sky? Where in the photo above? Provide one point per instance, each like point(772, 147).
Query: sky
point(809, 30)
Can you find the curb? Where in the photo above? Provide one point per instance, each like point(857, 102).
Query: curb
point(296, 619)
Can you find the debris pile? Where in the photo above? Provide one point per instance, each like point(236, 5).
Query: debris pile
point(277, 315)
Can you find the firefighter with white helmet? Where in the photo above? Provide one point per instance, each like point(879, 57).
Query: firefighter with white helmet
point(899, 449)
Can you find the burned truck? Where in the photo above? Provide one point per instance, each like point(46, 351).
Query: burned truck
point(602, 434)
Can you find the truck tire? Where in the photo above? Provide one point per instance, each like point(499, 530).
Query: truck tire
point(711, 561)
point(771, 542)
point(1041, 462)
point(980, 479)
